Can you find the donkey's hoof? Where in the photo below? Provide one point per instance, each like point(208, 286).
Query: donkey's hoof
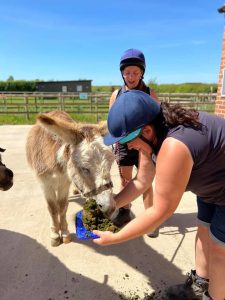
point(55, 242)
point(66, 239)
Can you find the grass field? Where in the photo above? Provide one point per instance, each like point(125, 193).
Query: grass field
point(22, 119)
point(23, 108)
point(20, 109)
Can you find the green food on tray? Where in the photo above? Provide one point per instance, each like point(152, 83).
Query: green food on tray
point(94, 219)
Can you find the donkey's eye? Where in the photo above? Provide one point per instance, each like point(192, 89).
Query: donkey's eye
point(85, 170)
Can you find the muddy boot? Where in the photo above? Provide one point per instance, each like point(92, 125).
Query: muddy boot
point(123, 217)
point(193, 288)
point(154, 233)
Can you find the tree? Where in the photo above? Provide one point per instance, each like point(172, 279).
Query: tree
point(11, 78)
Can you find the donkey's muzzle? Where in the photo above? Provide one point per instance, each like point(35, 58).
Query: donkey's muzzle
point(6, 178)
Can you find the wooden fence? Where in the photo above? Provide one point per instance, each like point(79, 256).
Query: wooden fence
point(89, 103)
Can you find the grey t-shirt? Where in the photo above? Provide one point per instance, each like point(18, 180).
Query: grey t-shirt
point(207, 147)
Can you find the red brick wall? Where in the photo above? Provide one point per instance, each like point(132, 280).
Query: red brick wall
point(220, 100)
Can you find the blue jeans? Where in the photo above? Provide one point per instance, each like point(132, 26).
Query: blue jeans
point(213, 216)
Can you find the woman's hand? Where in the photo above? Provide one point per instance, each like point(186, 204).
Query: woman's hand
point(140, 145)
point(105, 237)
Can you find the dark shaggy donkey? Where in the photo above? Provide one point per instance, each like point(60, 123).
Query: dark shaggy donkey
point(6, 175)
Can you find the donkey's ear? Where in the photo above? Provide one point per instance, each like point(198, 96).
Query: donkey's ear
point(103, 129)
point(67, 131)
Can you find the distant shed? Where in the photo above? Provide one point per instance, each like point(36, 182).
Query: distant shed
point(72, 86)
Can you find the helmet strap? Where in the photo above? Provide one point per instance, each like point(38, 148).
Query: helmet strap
point(150, 143)
point(123, 77)
point(138, 87)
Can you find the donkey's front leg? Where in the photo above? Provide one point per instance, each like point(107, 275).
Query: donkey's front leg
point(48, 187)
point(63, 205)
point(54, 227)
point(62, 200)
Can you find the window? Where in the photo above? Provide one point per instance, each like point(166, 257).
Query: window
point(64, 89)
point(223, 84)
point(79, 88)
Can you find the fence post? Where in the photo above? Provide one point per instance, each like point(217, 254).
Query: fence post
point(59, 102)
point(35, 102)
point(62, 102)
point(98, 117)
point(92, 99)
point(26, 102)
point(210, 96)
point(168, 99)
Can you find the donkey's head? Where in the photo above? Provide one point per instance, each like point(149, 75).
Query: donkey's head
point(87, 159)
point(6, 175)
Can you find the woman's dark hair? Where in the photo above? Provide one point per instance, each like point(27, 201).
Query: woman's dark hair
point(173, 115)
point(177, 115)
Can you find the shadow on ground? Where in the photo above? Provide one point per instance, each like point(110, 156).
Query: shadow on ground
point(29, 271)
point(139, 255)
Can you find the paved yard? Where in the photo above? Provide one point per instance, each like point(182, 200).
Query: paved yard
point(32, 269)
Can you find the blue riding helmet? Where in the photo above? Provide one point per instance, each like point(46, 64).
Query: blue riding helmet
point(132, 57)
point(131, 111)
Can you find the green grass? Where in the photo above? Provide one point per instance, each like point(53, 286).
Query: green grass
point(13, 109)
point(16, 120)
point(22, 120)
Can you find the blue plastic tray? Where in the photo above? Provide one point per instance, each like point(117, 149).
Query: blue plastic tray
point(81, 232)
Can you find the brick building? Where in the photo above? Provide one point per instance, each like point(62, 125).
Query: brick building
point(220, 99)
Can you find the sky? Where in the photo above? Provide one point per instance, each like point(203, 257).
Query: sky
point(72, 40)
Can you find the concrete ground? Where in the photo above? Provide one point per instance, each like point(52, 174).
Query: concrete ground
point(31, 269)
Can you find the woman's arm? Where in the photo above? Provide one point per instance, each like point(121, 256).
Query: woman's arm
point(140, 183)
point(154, 95)
point(113, 98)
point(173, 169)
